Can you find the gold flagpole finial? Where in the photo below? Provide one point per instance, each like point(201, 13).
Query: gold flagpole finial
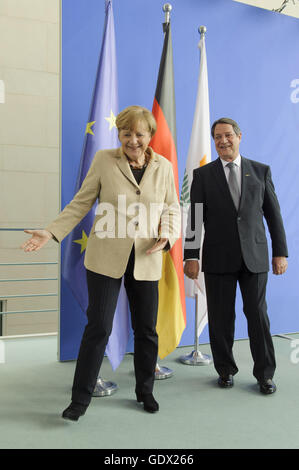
point(202, 31)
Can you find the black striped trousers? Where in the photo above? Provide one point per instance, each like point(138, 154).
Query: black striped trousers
point(103, 293)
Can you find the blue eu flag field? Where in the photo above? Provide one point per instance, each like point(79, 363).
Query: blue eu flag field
point(100, 133)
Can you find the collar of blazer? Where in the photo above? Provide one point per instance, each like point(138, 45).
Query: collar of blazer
point(123, 164)
point(245, 178)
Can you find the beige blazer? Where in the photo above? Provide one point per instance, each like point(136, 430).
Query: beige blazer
point(126, 214)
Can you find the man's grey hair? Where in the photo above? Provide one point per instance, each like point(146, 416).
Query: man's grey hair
point(226, 121)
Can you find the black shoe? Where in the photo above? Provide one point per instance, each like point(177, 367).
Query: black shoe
point(74, 411)
point(149, 403)
point(267, 386)
point(226, 381)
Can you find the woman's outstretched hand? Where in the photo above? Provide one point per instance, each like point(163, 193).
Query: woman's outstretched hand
point(37, 241)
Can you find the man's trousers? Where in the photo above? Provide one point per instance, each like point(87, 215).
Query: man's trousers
point(221, 296)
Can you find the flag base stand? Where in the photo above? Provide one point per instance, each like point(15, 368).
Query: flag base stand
point(196, 358)
point(162, 373)
point(104, 388)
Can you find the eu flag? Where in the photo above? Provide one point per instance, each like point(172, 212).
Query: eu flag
point(100, 133)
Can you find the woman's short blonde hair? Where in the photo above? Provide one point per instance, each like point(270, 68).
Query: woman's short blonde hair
point(128, 118)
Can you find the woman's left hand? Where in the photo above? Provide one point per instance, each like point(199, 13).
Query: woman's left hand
point(159, 245)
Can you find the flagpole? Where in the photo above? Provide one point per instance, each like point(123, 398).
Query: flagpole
point(164, 372)
point(196, 358)
point(104, 388)
point(167, 9)
point(202, 31)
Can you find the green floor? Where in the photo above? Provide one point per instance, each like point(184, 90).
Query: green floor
point(194, 412)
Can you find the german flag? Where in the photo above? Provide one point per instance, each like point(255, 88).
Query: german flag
point(172, 308)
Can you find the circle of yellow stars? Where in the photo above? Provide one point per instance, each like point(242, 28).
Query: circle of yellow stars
point(112, 123)
point(111, 119)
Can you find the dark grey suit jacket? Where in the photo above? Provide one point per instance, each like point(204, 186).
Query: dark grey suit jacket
point(231, 235)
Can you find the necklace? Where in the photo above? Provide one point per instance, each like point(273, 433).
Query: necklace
point(135, 165)
point(139, 167)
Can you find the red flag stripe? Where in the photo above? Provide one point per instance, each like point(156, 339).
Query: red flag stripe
point(163, 142)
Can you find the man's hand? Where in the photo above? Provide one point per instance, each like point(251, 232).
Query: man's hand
point(191, 268)
point(279, 264)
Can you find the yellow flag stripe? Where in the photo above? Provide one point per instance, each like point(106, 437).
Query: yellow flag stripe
point(170, 324)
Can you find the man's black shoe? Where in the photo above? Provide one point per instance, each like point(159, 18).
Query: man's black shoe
point(74, 411)
point(267, 386)
point(226, 381)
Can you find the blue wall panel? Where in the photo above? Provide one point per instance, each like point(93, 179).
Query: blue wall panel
point(252, 62)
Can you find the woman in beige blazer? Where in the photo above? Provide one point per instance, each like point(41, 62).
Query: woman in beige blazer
point(137, 217)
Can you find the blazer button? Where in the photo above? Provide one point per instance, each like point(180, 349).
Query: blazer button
point(138, 191)
point(238, 219)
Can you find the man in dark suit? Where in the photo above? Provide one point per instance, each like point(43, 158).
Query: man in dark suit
point(236, 193)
